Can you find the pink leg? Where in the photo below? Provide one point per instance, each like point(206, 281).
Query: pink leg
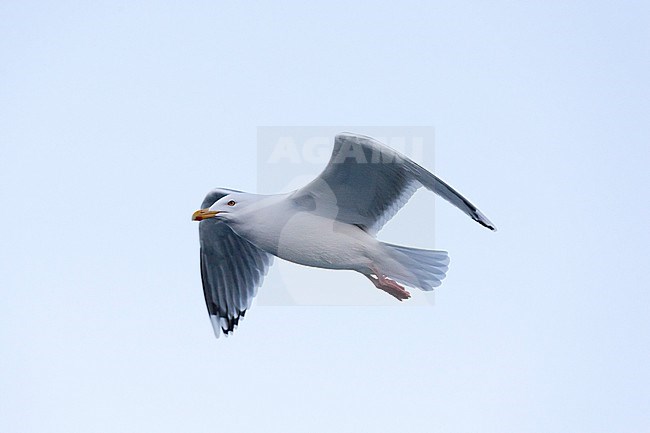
point(389, 286)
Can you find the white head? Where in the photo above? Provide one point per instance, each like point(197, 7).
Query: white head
point(227, 208)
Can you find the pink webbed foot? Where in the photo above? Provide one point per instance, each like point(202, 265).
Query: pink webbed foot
point(389, 286)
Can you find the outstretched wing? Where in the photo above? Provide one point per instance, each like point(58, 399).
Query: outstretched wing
point(365, 183)
point(232, 269)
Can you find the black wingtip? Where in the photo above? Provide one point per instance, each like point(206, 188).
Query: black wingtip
point(491, 227)
point(488, 225)
point(482, 219)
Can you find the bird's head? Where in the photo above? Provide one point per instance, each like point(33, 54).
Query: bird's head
point(226, 208)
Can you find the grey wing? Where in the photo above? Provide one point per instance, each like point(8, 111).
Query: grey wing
point(365, 183)
point(232, 269)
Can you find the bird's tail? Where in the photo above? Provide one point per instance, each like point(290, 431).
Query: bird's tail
point(421, 269)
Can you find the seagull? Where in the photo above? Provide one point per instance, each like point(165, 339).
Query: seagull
point(330, 223)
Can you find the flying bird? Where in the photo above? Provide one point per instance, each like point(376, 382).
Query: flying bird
point(330, 223)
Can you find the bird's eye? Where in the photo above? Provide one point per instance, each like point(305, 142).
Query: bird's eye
point(231, 203)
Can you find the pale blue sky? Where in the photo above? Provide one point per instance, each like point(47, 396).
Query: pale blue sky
point(117, 117)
